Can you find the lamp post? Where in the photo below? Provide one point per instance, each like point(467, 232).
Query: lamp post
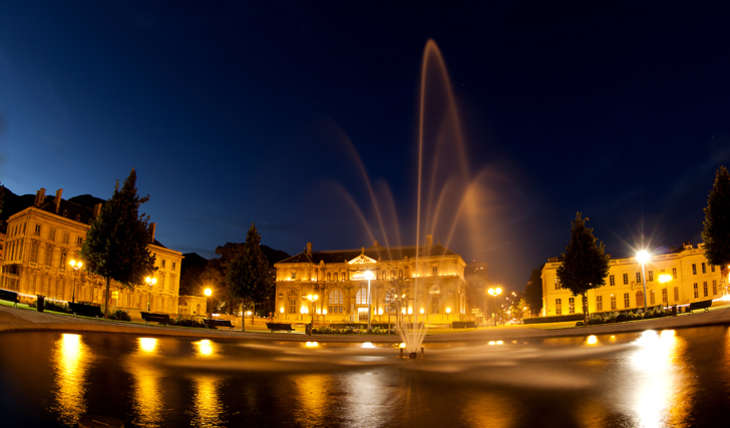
point(75, 265)
point(312, 298)
point(151, 281)
point(494, 292)
point(369, 276)
point(643, 257)
point(207, 292)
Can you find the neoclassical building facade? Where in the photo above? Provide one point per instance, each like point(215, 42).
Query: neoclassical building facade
point(332, 286)
point(43, 238)
point(676, 278)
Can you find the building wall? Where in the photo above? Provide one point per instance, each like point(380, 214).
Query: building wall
point(342, 291)
point(192, 306)
point(38, 247)
point(690, 278)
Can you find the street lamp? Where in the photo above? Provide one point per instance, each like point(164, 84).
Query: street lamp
point(494, 292)
point(75, 265)
point(643, 257)
point(368, 274)
point(312, 298)
point(151, 281)
point(207, 292)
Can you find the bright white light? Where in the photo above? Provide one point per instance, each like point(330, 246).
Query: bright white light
point(664, 278)
point(592, 340)
point(367, 345)
point(147, 344)
point(309, 344)
point(643, 256)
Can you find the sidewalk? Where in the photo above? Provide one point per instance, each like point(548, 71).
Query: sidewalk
point(12, 319)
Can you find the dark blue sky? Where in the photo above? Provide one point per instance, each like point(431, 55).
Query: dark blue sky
point(231, 115)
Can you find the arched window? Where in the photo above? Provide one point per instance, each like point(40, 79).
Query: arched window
point(335, 301)
point(361, 298)
point(639, 299)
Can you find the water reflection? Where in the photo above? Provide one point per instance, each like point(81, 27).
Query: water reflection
point(206, 348)
point(488, 410)
point(208, 407)
point(147, 394)
point(660, 388)
point(312, 392)
point(367, 396)
point(71, 358)
point(147, 345)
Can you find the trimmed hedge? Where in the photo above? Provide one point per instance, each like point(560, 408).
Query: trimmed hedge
point(348, 330)
point(120, 315)
point(628, 315)
point(557, 318)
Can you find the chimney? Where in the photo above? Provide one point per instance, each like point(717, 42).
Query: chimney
point(97, 209)
point(153, 228)
point(309, 249)
point(59, 192)
point(40, 196)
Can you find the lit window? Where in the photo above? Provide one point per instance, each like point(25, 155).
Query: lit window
point(665, 297)
point(558, 307)
point(335, 301)
point(361, 298)
point(674, 273)
point(571, 305)
point(651, 275)
point(639, 298)
point(694, 269)
point(627, 302)
point(37, 230)
point(626, 279)
point(714, 287)
point(696, 290)
point(612, 280)
point(638, 277)
point(704, 268)
point(599, 303)
point(704, 287)
point(613, 302)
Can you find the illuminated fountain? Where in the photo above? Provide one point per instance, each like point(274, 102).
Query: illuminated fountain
point(448, 196)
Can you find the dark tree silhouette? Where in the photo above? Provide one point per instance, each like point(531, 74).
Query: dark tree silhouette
point(716, 231)
point(585, 263)
point(116, 244)
point(533, 291)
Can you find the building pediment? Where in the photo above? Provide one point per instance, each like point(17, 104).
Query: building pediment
point(362, 259)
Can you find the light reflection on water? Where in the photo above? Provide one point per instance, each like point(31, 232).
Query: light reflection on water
point(650, 379)
point(208, 407)
point(659, 385)
point(71, 358)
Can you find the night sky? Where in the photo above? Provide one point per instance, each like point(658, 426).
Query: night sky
point(240, 113)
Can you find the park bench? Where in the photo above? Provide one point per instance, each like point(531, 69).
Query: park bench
point(463, 324)
point(85, 309)
point(278, 326)
point(705, 304)
point(160, 318)
point(10, 296)
point(212, 323)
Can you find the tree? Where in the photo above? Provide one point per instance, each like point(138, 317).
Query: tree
point(716, 231)
point(116, 244)
point(585, 263)
point(533, 291)
point(248, 274)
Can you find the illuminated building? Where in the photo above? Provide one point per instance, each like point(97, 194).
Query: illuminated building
point(676, 278)
point(338, 279)
point(44, 237)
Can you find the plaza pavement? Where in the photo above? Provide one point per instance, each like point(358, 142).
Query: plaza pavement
point(19, 320)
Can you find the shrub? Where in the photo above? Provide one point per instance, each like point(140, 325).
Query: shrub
point(120, 315)
point(56, 306)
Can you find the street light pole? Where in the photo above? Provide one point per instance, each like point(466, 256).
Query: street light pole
point(643, 257)
point(75, 265)
point(369, 276)
point(151, 281)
